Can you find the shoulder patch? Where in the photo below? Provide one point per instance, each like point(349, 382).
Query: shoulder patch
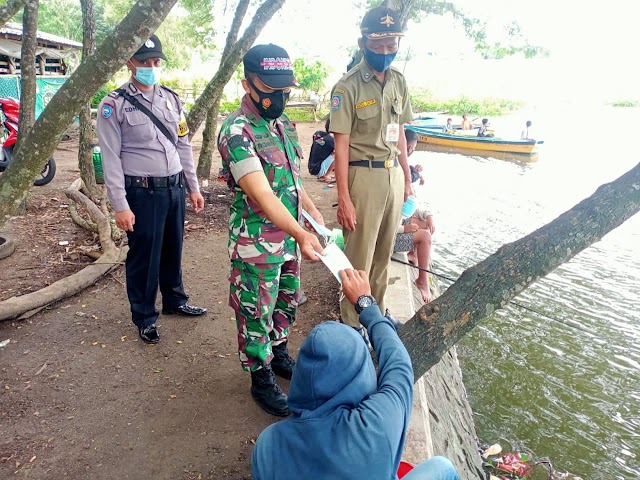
point(336, 102)
point(114, 94)
point(366, 103)
point(183, 127)
point(338, 90)
point(107, 110)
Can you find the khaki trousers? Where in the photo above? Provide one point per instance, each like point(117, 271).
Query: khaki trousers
point(377, 195)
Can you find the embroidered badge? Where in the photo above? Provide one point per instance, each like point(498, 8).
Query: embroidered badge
point(266, 103)
point(336, 101)
point(149, 44)
point(107, 110)
point(388, 21)
point(366, 103)
point(338, 90)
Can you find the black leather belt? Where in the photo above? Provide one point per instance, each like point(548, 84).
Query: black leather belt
point(152, 182)
point(374, 163)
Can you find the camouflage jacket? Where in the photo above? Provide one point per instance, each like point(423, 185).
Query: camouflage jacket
point(248, 143)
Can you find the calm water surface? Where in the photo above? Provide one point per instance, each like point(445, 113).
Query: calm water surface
point(560, 392)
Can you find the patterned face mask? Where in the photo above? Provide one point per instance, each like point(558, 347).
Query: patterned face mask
point(270, 105)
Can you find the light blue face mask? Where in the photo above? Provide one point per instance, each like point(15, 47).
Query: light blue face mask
point(148, 75)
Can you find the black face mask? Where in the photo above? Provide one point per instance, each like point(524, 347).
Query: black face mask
point(270, 105)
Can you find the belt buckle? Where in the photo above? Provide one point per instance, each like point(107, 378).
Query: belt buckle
point(388, 163)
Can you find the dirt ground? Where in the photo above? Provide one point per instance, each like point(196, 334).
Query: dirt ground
point(82, 398)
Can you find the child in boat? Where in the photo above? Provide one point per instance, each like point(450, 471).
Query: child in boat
point(448, 128)
point(484, 129)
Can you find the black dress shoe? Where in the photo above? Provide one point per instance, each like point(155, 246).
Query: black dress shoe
point(149, 334)
point(186, 309)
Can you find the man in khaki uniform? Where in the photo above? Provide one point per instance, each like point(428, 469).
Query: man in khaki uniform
point(369, 106)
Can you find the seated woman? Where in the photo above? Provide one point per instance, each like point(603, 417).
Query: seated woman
point(414, 237)
point(321, 159)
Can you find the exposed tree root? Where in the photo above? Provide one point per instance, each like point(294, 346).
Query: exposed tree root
point(111, 257)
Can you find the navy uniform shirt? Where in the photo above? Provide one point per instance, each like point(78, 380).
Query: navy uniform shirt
point(132, 145)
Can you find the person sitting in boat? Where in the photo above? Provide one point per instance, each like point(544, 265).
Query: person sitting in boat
point(448, 128)
point(412, 142)
point(321, 159)
point(525, 133)
point(484, 131)
point(466, 123)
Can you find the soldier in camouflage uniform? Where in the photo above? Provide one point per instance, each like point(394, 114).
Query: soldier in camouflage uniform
point(261, 162)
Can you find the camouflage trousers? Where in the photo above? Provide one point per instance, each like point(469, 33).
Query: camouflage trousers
point(265, 299)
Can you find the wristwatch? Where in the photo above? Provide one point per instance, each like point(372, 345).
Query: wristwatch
point(363, 302)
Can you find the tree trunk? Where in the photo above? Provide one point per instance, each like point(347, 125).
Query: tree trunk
point(208, 140)
point(41, 141)
point(85, 147)
point(403, 7)
point(209, 133)
point(9, 10)
point(492, 283)
point(230, 62)
point(28, 72)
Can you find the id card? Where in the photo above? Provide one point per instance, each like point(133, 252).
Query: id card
point(393, 132)
point(335, 260)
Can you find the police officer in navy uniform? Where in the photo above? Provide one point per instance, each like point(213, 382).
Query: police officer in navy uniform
point(148, 164)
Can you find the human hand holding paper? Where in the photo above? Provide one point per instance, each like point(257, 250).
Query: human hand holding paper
point(335, 260)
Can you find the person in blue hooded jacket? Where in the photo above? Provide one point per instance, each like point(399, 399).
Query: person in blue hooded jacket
point(345, 422)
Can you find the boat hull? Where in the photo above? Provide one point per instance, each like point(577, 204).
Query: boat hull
point(465, 142)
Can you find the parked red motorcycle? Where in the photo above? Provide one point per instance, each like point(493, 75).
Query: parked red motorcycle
point(10, 107)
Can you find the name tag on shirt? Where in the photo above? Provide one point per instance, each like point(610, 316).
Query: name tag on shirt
point(393, 132)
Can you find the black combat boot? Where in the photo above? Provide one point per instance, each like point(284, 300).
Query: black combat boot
point(267, 393)
point(282, 363)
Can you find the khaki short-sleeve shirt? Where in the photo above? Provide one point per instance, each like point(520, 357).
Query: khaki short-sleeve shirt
point(362, 108)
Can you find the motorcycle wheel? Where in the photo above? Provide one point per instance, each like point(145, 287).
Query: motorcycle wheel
point(47, 173)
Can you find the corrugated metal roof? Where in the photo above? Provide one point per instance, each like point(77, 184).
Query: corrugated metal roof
point(16, 29)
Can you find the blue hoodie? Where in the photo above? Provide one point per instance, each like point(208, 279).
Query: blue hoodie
point(345, 423)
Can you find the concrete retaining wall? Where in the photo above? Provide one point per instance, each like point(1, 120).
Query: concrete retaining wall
point(442, 421)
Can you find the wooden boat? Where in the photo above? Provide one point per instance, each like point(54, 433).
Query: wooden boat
point(470, 152)
point(463, 141)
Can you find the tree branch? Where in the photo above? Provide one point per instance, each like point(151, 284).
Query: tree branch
point(9, 10)
point(492, 283)
point(228, 65)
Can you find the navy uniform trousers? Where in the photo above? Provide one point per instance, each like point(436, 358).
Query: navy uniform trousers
point(155, 247)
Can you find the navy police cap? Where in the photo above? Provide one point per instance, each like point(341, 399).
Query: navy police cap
point(152, 48)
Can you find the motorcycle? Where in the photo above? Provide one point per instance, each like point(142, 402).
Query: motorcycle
point(10, 108)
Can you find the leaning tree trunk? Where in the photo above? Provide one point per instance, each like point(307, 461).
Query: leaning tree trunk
point(28, 71)
point(209, 133)
point(41, 141)
point(9, 10)
point(228, 65)
point(492, 283)
point(85, 147)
